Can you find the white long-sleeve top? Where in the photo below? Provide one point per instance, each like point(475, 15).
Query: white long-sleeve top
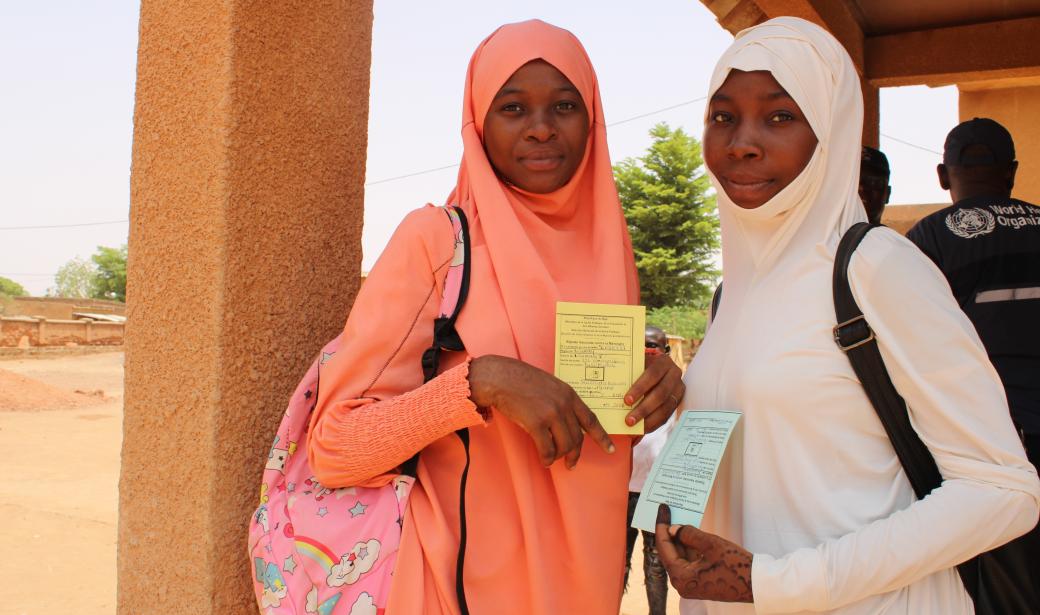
point(811, 485)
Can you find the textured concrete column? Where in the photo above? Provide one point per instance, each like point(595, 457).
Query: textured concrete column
point(250, 130)
point(871, 114)
point(1016, 105)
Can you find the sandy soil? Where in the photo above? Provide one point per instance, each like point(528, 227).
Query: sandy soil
point(634, 601)
point(23, 394)
point(58, 488)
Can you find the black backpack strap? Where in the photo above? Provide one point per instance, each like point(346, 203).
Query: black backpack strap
point(446, 337)
point(855, 337)
point(716, 299)
point(857, 340)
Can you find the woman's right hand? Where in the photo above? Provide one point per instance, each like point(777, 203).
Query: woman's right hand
point(544, 406)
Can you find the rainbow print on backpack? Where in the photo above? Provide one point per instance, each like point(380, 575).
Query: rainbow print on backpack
point(332, 551)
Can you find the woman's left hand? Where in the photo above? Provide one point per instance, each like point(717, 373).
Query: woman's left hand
point(703, 565)
point(661, 389)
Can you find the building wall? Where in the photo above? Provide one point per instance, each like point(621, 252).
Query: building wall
point(1018, 109)
point(902, 217)
point(248, 164)
point(59, 308)
point(26, 331)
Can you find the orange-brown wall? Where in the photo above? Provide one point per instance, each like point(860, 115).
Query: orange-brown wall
point(250, 131)
point(58, 307)
point(1018, 109)
point(23, 330)
point(901, 218)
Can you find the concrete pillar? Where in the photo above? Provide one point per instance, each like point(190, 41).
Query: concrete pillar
point(871, 114)
point(1016, 105)
point(250, 131)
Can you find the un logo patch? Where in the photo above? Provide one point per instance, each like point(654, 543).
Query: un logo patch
point(970, 222)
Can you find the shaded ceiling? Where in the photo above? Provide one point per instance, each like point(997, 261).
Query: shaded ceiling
point(912, 42)
point(892, 16)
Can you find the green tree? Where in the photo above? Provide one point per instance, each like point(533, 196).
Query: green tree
point(687, 322)
point(11, 288)
point(672, 219)
point(110, 280)
point(73, 279)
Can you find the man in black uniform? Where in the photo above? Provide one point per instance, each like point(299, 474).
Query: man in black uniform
point(988, 246)
point(874, 190)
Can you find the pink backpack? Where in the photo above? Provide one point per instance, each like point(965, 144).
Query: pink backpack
point(332, 551)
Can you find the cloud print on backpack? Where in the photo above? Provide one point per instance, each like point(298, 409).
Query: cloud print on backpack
point(352, 565)
point(273, 582)
point(364, 605)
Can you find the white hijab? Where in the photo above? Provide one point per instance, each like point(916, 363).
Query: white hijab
point(798, 229)
point(810, 482)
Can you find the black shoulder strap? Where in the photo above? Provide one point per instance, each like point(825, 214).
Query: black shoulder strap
point(445, 337)
point(855, 337)
point(716, 299)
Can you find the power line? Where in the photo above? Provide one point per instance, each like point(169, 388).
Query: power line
point(29, 228)
point(395, 178)
point(913, 145)
point(452, 166)
point(656, 111)
point(624, 121)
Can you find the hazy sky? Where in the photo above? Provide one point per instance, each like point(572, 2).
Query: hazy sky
point(69, 68)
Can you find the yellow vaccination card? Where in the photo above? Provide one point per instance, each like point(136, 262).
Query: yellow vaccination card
point(599, 352)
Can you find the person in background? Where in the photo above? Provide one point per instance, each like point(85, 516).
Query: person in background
point(643, 455)
point(874, 190)
point(987, 244)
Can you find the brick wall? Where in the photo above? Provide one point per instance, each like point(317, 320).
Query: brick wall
point(15, 331)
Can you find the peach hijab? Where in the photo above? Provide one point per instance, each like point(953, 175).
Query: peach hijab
point(570, 245)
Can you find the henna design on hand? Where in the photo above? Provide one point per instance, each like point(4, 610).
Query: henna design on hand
point(703, 565)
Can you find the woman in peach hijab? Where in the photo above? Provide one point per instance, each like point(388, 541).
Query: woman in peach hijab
point(541, 529)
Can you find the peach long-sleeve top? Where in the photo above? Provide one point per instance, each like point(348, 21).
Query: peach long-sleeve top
point(539, 540)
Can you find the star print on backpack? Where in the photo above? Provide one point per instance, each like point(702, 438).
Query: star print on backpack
point(331, 551)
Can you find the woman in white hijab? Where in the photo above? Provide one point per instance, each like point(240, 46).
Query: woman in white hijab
point(811, 510)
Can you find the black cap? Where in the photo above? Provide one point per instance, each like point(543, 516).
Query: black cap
point(874, 160)
point(978, 131)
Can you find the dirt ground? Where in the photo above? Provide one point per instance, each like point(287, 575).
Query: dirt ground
point(634, 601)
point(58, 490)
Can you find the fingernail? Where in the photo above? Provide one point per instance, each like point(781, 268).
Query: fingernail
point(674, 530)
point(628, 400)
point(611, 448)
point(630, 421)
point(664, 515)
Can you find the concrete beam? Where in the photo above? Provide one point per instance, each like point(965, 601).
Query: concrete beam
point(836, 17)
point(736, 15)
point(248, 165)
point(871, 114)
point(943, 56)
